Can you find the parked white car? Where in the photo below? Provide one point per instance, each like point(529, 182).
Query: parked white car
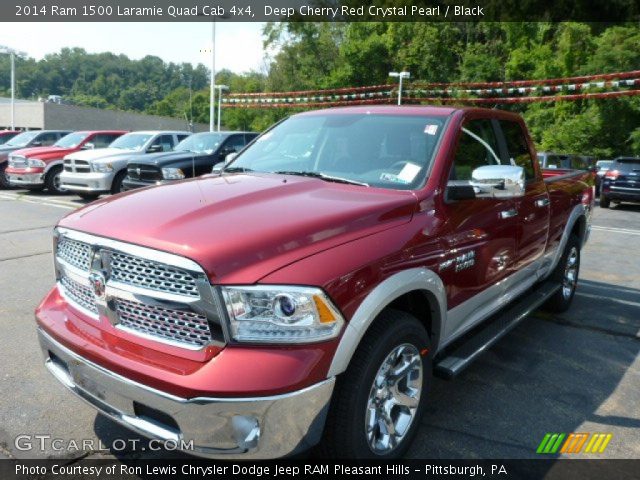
point(91, 172)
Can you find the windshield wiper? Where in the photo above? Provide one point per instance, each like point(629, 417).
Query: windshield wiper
point(322, 176)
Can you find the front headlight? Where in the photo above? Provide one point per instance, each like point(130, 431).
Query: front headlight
point(34, 162)
point(102, 167)
point(172, 174)
point(281, 314)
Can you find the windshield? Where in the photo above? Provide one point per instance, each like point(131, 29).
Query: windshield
point(389, 151)
point(23, 139)
point(200, 143)
point(131, 141)
point(71, 141)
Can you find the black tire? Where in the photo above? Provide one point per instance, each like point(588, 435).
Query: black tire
point(604, 202)
point(4, 180)
point(88, 195)
point(570, 261)
point(52, 180)
point(345, 434)
point(116, 186)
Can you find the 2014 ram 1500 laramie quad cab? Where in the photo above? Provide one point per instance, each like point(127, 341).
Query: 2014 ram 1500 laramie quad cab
point(307, 294)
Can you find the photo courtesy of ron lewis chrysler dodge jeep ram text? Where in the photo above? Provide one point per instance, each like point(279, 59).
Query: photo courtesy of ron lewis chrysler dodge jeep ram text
point(307, 293)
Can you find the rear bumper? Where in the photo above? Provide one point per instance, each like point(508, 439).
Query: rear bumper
point(621, 193)
point(94, 182)
point(254, 427)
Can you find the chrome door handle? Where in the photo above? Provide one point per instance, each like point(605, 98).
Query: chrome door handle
point(508, 213)
point(543, 202)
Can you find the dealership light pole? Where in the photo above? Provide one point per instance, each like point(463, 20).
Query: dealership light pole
point(400, 75)
point(220, 89)
point(12, 53)
point(212, 80)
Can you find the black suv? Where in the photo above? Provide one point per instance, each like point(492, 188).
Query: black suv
point(621, 183)
point(194, 156)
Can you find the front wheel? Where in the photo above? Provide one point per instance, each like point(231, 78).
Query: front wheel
point(52, 181)
point(604, 201)
point(88, 196)
point(378, 402)
point(566, 274)
point(4, 178)
point(116, 186)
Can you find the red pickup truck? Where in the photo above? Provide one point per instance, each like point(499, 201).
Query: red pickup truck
point(38, 168)
point(307, 293)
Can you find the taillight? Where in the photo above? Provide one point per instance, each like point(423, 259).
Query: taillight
point(612, 174)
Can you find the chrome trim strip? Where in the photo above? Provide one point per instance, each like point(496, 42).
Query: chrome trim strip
point(377, 300)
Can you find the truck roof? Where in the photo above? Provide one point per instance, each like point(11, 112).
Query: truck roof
point(387, 109)
point(156, 132)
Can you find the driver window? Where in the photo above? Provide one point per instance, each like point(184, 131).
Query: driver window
point(477, 146)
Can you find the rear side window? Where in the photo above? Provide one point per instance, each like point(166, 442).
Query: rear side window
point(518, 148)
point(626, 164)
point(103, 140)
point(47, 139)
point(477, 147)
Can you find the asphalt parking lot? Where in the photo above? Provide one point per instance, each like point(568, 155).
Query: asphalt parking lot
point(575, 372)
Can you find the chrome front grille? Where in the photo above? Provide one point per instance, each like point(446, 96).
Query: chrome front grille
point(141, 291)
point(79, 294)
point(75, 253)
point(79, 166)
point(17, 161)
point(172, 325)
point(152, 275)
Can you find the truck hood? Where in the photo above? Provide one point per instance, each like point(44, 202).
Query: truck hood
point(44, 152)
point(100, 153)
point(164, 158)
point(242, 227)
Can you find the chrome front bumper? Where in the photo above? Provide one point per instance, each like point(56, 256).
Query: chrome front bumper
point(258, 428)
point(26, 179)
point(87, 182)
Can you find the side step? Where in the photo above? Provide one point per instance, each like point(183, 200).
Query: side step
point(504, 321)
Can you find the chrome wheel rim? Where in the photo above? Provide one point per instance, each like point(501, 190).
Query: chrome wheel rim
point(393, 399)
point(57, 182)
point(570, 273)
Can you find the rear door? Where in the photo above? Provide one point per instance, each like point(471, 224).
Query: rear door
point(533, 209)
point(481, 240)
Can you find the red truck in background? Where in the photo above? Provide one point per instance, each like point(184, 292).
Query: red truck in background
point(307, 294)
point(38, 168)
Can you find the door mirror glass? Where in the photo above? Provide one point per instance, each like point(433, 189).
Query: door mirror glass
point(88, 146)
point(154, 148)
point(498, 181)
point(229, 158)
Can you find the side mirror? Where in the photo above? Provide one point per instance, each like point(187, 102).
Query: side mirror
point(498, 181)
point(154, 149)
point(88, 146)
point(490, 181)
point(229, 158)
point(217, 168)
point(37, 143)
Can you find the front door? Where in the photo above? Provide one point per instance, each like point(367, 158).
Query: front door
point(481, 244)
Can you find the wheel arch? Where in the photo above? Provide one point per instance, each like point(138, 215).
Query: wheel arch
point(418, 291)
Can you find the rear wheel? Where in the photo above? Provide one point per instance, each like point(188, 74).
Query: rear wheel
point(604, 202)
point(52, 180)
point(378, 402)
point(566, 274)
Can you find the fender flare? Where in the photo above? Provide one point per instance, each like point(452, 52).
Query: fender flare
point(49, 166)
point(414, 279)
point(576, 214)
